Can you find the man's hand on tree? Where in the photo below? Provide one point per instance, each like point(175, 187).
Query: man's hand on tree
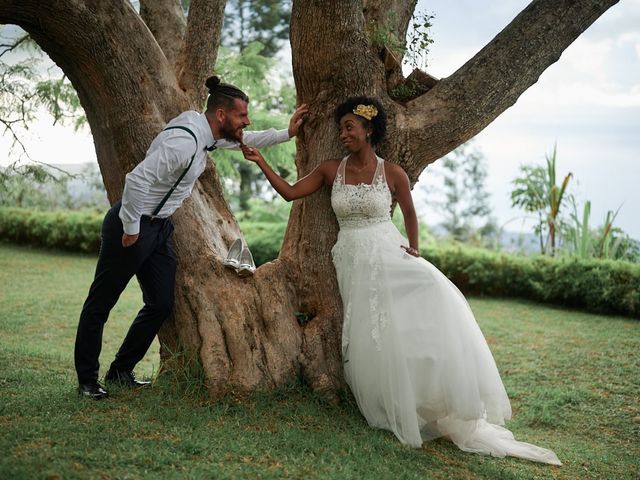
point(296, 119)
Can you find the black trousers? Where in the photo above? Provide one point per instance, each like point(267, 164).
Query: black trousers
point(152, 260)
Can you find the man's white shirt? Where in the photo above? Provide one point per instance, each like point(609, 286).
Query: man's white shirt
point(168, 156)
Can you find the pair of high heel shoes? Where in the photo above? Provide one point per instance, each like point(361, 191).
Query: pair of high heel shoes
point(240, 259)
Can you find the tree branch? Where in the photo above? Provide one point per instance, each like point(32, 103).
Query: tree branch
point(462, 105)
point(167, 24)
point(8, 126)
point(8, 47)
point(118, 83)
point(200, 47)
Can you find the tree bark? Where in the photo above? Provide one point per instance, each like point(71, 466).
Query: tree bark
point(167, 24)
point(200, 48)
point(391, 15)
point(245, 333)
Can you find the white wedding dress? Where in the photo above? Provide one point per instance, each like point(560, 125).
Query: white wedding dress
point(414, 356)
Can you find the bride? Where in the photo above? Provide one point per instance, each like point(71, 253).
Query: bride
point(414, 356)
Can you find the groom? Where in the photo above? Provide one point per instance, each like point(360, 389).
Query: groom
point(137, 232)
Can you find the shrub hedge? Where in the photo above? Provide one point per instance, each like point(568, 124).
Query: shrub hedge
point(602, 286)
point(79, 231)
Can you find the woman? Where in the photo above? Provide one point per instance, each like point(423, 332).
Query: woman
point(413, 354)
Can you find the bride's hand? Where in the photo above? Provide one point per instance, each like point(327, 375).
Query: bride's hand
point(251, 154)
point(411, 251)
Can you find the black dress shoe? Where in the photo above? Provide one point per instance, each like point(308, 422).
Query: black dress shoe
point(92, 390)
point(124, 379)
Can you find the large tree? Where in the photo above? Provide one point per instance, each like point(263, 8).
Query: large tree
point(132, 76)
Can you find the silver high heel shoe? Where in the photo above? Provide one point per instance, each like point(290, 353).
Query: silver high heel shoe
point(247, 267)
point(233, 256)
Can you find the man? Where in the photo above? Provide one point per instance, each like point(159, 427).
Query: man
point(137, 232)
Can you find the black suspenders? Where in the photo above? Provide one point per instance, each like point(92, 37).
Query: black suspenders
point(166, 197)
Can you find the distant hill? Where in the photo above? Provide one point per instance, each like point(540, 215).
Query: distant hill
point(509, 241)
point(87, 187)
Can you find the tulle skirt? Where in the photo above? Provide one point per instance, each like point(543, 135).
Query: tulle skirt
point(414, 356)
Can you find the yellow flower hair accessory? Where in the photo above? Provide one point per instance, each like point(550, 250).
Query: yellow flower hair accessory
point(366, 111)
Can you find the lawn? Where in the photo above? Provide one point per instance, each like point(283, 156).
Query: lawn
point(573, 379)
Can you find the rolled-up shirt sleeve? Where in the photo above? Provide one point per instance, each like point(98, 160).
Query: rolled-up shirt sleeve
point(157, 167)
point(258, 139)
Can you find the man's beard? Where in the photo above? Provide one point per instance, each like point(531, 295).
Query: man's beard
point(227, 131)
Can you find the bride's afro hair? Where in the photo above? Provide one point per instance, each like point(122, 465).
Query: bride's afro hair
point(377, 123)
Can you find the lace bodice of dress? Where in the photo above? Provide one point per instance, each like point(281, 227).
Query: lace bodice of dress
point(362, 204)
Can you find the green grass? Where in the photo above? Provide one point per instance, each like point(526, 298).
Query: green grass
point(572, 377)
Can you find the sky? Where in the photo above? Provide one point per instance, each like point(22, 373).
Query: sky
point(587, 103)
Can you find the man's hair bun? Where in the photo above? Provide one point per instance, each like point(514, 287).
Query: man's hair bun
point(222, 94)
point(212, 82)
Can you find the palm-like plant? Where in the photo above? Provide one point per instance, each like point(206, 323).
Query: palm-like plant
point(608, 246)
point(579, 235)
point(536, 192)
point(554, 198)
point(604, 242)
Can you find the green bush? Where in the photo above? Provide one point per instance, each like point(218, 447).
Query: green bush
point(79, 231)
point(264, 239)
point(603, 286)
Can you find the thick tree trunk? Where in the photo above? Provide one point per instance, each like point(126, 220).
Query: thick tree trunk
point(244, 332)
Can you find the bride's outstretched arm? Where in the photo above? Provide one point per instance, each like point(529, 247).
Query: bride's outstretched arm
point(303, 187)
